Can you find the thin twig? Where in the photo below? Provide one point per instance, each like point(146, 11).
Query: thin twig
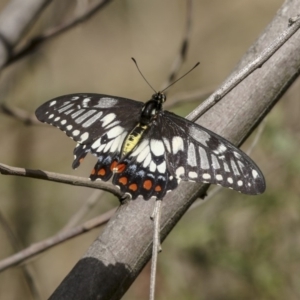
point(188, 97)
point(53, 32)
point(156, 246)
point(181, 56)
point(15, 243)
point(20, 114)
point(245, 72)
point(88, 205)
point(57, 239)
point(61, 178)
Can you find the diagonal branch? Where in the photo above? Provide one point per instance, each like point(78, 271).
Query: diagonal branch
point(115, 259)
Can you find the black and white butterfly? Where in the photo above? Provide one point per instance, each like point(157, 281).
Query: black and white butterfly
point(146, 150)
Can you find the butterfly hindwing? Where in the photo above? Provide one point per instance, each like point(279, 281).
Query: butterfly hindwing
point(146, 172)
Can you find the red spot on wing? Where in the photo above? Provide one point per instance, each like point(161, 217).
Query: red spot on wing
point(147, 184)
point(113, 165)
point(157, 188)
point(101, 172)
point(121, 168)
point(123, 180)
point(133, 187)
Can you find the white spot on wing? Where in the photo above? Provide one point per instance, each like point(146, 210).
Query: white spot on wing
point(56, 119)
point(162, 167)
point(92, 120)
point(157, 147)
point(96, 144)
point(199, 135)
point(147, 161)
point(219, 177)
point(140, 148)
point(65, 108)
point(206, 176)
point(52, 103)
point(193, 175)
point(177, 144)
point(220, 149)
point(167, 144)
point(77, 113)
point(152, 167)
point(192, 155)
point(240, 183)
point(76, 132)
point(108, 145)
point(114, 132)
point(51, 116)
point(84, 137)
point(143, 154)
point(106, 102)
point(63, 122)
point(69, 127)
point(204, 164)
point(254, 174)
point(108, 119)
point(230, 180)
point(84, 116)
point(179, 171)
point(234, 167)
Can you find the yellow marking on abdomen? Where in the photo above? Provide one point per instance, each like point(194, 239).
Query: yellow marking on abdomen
point(133, 138)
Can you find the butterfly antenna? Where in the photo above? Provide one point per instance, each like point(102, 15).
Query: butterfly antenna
point(143, 75)
point(196, 65)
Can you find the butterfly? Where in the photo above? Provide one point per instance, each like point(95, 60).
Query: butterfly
point(146, 150)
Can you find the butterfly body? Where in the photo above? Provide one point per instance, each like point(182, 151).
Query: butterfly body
point(146, 150)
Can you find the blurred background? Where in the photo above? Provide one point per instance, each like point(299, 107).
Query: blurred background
point(231, 247)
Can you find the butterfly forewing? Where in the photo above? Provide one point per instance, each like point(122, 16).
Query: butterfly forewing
point(85, 117)
point(197, 154)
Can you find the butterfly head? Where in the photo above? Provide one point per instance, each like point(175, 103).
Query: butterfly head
point(159, 97)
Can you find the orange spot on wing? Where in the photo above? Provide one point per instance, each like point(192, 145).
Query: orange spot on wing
point(147, 184)
point(121, 168)
point(133, 187)
point(123, 180)
point(101, 172)
point(81, 160)
point(93, 171)
point(157, 188)
point(113, 165)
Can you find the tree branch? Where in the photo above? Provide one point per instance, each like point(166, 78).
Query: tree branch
point(117, 256)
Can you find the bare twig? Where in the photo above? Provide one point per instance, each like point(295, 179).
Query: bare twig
point(188, 97)
point(246, 71)
point(181, 56)
point(53, 32)
point(48, 243)
point(61, 178)
point(15, 242)
point(15, 19)
point(20, 114)
point(88, 205)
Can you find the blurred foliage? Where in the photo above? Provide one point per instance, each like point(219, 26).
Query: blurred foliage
point(232, 246)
